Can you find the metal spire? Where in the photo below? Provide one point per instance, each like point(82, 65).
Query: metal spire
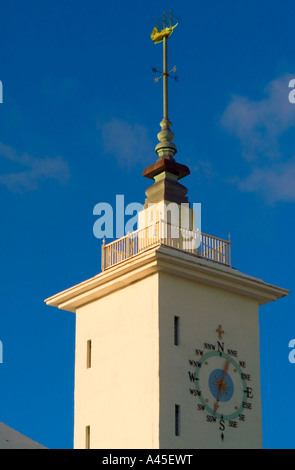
point(165, 172)
point(165, 149)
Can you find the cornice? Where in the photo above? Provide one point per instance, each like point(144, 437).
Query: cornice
point(175, 262)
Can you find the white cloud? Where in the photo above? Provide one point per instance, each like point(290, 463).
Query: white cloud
point(203, 169)
point(128, 143)
point(260, 126)
point(276, 183)
point(37, 169)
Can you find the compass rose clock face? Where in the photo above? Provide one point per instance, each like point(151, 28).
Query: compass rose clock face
point(220, 381)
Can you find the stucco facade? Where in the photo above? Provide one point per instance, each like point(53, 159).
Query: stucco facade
point(138, 375)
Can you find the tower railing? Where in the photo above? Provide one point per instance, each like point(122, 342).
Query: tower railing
point(163, 233)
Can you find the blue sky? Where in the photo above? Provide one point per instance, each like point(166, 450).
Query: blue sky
point(78, 125)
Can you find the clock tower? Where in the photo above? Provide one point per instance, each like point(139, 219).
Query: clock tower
point(167, 334)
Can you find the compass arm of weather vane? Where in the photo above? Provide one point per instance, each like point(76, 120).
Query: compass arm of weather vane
point(175, 77)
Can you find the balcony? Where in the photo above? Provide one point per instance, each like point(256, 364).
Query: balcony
point(161, 233)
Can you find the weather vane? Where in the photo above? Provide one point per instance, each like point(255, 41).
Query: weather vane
point(159, 36)
point(162, 36)
point(165, 149)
